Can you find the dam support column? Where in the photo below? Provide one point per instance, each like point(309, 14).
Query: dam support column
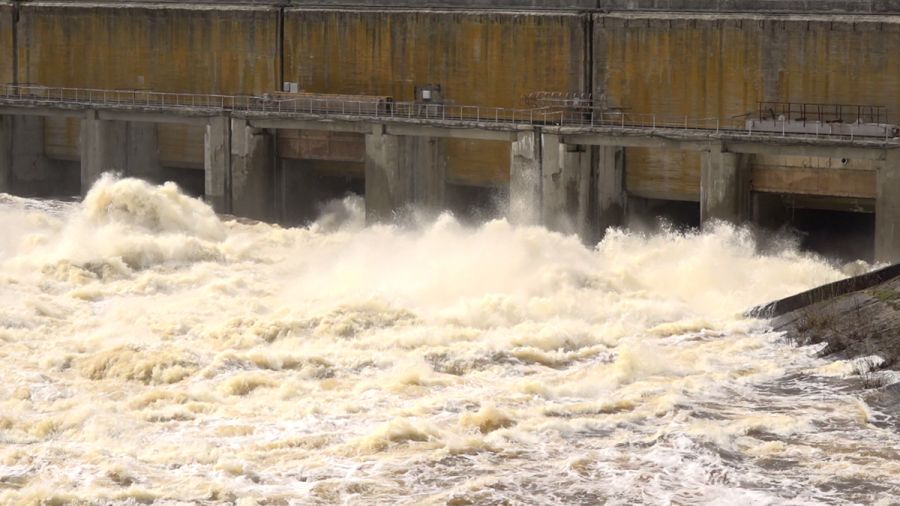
point(104, 148)
point(525, 179)
point(565, 186)
point(887, 209)
point(143, 152)
point(401, 172)
point(5, 154)
point(252, 171)
point(724, 186)
point(217, 163)
point(609, 189)
point(426, 160)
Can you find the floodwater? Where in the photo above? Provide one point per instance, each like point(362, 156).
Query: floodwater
point(152, 352)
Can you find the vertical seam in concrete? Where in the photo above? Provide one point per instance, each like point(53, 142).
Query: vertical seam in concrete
point(279, 48)
point(539, 158)
point(588, 85)
point(15, 43)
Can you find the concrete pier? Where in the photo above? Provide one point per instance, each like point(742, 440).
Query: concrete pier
point(104, 148)
point(252, 171)
point(142, 155)
point(525, 179)
point(6, 130)
point(887, 209)
point(217, 163)
point(724, 186)
point(609, 188)
point(565, 186)
point(402, 172)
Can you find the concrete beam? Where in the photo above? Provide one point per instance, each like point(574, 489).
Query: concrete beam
point(887, 210)
point(151, 117)
point(525, 179)
point(103, 149)
point(767, 148)
point(217, 163)
point(252, 171)
point(322, 125)
point(41, 111)
point(637, 140)
point(724, 187)
point(565, 186)
point(609, 188)
point(452, 133)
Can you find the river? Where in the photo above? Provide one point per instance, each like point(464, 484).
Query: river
point(152, 351)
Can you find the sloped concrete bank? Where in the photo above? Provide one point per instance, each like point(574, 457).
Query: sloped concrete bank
point(857, 319)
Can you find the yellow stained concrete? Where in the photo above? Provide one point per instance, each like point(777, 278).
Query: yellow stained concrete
point(478, 58)
point(721, 66)
point(184, 49)
point(6, 44)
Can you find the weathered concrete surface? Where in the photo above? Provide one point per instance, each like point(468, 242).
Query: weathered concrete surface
point(403, 173)
point(199, 48)
point(565, 186)
point(6, 153)
point(724, 186)
point(856, 317)
point(720, 66)
point(193, 48)
point(887, 210)
point(181, 146)
point(7, 45)
point(467, 53)
point(142, 152)
point(104, 148)
point(31, 172)
point(252, 171)
point(217, 164)
point(609, 188)
point(525, 179)
point(785, 6)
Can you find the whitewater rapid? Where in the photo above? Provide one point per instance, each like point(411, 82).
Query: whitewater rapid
point(152, 351)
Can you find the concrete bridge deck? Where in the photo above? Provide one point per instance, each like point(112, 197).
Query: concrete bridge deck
point(566, 171)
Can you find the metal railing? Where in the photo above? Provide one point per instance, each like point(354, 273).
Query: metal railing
point(379, 108)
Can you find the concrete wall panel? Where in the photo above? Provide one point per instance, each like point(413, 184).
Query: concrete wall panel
point(703, 66)
point(190, 49)
point(479, 58)
point(202, 49)
point(7, 46)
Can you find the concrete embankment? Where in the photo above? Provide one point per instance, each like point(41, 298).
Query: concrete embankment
point(857, 317)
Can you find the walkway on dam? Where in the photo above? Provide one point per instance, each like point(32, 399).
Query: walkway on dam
point(566, 167)
point(439, 120)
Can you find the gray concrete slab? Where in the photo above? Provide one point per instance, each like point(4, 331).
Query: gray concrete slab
point(525, 179)
point(887, 210)
point(104, 148)
point(217, 163)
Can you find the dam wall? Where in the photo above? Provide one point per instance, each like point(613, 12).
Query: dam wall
point(721, 66)
point(477, 58)
point(192, 49)
point(646, 58)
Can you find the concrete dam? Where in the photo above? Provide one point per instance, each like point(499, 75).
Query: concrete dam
point(570, 114)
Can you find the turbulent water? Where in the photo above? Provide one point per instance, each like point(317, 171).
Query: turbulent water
point(153, 351)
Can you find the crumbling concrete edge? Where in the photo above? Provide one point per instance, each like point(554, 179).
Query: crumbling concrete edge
point(823, 293)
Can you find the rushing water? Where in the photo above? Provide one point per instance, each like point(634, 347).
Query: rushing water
point(151, 351)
